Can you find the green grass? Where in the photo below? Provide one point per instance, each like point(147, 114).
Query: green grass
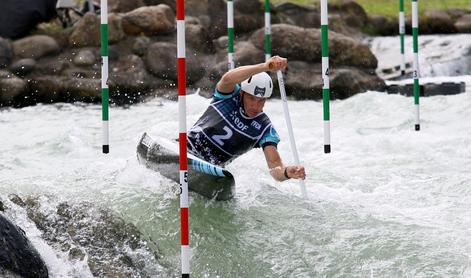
point(390, 8)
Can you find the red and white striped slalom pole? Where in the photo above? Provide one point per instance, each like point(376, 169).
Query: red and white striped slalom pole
point(185, 233)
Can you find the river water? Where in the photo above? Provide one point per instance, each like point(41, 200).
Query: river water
point(387, 202)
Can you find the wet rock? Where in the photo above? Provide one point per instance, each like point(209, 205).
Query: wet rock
point(85, 57)
point(151, 21)
point(346, 82)
point(17, 254)
point(112, 247)
point(17, 200)
point(463, 24)
point(87, 31)
point(11, 88)
point(76, 254)
point(23, 66)
point(35, 46)
point(6, 53)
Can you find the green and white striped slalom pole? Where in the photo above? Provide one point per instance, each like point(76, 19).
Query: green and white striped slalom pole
point(416, 74)
point(267, 30)
point(325, 74)
point(104, 75)
point(402, 32)
point(230, 34)
point(281, 84)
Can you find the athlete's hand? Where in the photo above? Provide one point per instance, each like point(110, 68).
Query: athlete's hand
point(296, 172)
point(276, 63)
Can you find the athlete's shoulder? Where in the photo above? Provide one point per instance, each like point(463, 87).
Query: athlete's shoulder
point(220, 95)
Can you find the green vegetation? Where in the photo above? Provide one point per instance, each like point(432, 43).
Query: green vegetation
point(390, 8)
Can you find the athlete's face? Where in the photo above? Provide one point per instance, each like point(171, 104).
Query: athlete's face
point(252, 105)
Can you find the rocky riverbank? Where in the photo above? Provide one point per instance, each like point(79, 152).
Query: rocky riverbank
point(64, 65)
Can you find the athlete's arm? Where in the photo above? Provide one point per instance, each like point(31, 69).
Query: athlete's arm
point(237, 75)
point(277, 169)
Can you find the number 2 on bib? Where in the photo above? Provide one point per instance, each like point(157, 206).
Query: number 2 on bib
point(219, 138)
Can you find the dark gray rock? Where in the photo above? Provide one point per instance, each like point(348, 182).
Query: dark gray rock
point(23, 66)
point(35, 46)
point(6, 53)
point(151, 21)
point(17, 254)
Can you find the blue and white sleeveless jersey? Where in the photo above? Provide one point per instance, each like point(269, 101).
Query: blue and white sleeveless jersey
point(224, 131)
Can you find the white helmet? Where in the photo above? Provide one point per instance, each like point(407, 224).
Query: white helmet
point(259, 85)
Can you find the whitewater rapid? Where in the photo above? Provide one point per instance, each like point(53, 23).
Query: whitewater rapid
point(387, 202)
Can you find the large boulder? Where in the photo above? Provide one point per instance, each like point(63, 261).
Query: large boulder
point(6, 53)
point(150, 21)
point(304, 81)
point(463, 24)
point(35, 47)
point(17, 254)
point(11, 88)
point(296, 43)
point(434, 22)
point(161, 59)
point(87, 31)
